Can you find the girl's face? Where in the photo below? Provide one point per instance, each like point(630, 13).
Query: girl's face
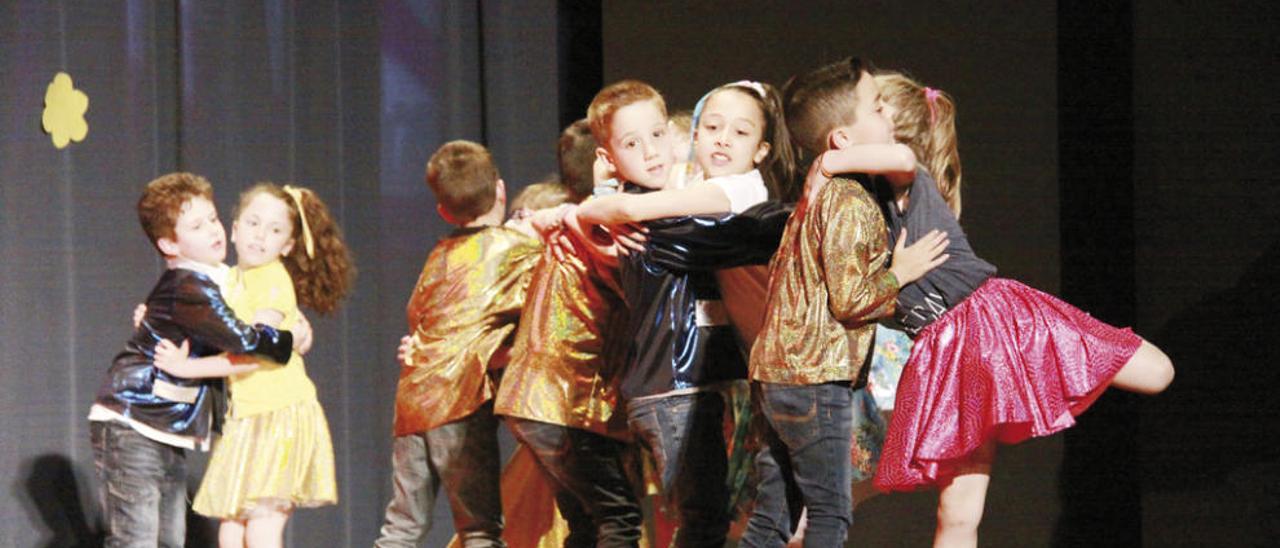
point(729, 139)
point(263, 232)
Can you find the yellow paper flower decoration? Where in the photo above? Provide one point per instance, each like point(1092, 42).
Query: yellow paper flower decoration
point(64, 108)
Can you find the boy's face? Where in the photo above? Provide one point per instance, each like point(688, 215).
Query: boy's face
point(730, 134)
point(198, 234)
point(639, 147)
point(870, 125)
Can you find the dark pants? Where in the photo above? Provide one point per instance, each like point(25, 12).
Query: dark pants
point(592, 490)
point(685, 433)
point(461, 455)
point(803, 463)
point(143, 486)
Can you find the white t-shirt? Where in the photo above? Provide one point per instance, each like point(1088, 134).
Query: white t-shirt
point(744, 190)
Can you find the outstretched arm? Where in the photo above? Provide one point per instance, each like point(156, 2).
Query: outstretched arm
point(715, 242)
point(895, 162)
point(699, 199)
point(175, 361)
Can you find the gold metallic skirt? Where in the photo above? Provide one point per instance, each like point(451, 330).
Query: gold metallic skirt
point(281, 459)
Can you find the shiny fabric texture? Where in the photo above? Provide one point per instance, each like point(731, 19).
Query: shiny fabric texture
point(183, 305)
point(669, 350)
point(828, 284)
point(1009, 362)
point(461, 315)
point(282, 456)
point(567, 349)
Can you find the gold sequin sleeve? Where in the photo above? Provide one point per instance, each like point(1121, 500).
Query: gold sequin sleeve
point(855, 253)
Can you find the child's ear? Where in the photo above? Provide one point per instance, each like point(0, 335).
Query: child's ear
point(838, 138)
point(500, 193)
point(762, 152)
point(445, 214)
point(168, 247)
point(605, 157)
point(288, 247)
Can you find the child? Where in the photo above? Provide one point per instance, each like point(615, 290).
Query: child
point(574, 153)
point(462, 314)
point(541, 195)
point(827, 286)
point(683, 352)
point(559, 392)
point(142, 417)
point(993, 360)
point(275, 453)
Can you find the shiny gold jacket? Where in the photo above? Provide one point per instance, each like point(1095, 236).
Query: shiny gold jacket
point(827, 284)
point(564, 362)
point(461, 315)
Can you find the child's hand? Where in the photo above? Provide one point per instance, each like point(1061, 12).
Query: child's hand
point(301, 335)
point(139, 313)
point(816, 178)
point(913, 261)
point(592, 238)
point(630, 237)
point(404, 350)
point(171, 359)
point(546, 221)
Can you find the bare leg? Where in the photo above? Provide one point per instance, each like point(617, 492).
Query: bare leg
point(962, 500)
point(266, 527)
point(1148, 372)
point(230, 534)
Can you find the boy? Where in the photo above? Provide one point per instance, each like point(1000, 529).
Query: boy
point(827, 286)
point(462, 313)
point(142, 417)
point(559, 392)
point(681, 347)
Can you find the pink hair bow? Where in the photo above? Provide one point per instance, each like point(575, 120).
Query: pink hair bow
point(931, 97)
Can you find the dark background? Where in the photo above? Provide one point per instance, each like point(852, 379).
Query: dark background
point(1118, 154)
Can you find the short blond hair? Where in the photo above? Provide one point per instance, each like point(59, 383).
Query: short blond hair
point(463, 178)
point(541, 196)
point(613, 98)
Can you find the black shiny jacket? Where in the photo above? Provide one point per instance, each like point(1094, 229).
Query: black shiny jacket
point(183, 305)
point(668, 350)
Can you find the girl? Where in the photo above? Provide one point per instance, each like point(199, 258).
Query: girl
point(930, 137)
point(741, 145)
point(993, 360)
point(275, 453)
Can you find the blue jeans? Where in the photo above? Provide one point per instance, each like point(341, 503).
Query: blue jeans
point(803, 462)
point(461, 455)
point(685, 433)
point(143, 486)
point(592, 490)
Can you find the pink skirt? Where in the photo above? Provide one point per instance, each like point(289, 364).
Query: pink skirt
point(1009, 362)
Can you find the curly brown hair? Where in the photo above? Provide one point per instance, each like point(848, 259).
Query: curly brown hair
point(322, 281)
point(161, 203)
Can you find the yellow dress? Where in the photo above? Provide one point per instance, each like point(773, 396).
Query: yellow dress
point(275, 448)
